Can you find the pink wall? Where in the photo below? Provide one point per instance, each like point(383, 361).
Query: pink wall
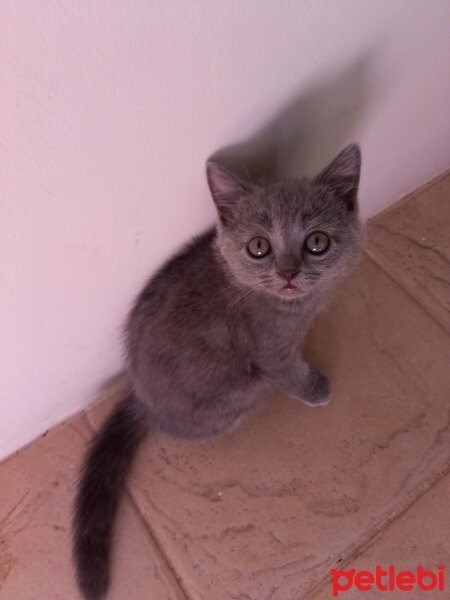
point(108, 111)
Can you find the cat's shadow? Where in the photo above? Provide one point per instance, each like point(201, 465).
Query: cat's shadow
point(310, 129)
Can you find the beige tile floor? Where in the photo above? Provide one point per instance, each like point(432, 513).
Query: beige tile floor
point(265, 512)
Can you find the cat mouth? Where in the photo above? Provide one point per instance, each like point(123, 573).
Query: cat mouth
point(289, 286)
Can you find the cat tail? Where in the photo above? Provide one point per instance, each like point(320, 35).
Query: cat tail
point(102, 479)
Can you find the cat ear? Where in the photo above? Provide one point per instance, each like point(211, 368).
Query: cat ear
point(342, 175)
point(226, 189)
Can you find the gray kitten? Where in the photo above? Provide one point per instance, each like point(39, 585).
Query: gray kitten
point(218, 323)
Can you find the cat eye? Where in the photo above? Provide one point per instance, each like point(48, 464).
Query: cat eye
point(258, 247)
point(317, 242)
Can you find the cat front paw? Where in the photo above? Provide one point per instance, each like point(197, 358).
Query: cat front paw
point(317, 389)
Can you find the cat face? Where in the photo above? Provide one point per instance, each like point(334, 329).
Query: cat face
point(292, 236)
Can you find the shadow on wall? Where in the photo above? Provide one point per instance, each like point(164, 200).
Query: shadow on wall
point(308, 131)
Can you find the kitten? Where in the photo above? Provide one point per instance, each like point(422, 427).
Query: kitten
point(217, 324)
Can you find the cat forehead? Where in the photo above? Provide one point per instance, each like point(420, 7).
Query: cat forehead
point(283, 192)
point(289, 203)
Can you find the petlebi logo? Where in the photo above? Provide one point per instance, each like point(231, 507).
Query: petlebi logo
point(388, 580)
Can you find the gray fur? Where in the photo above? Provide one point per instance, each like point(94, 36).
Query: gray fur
point(214, 328)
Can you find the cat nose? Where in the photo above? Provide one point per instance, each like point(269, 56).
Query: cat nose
point(287, 266)
point(287, 273)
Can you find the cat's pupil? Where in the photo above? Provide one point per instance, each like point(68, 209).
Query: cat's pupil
point(258, 247)
point(317, 242)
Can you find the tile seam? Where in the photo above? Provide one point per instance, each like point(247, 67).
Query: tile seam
point(366, 540)
point(152, 535)
point(406, 291)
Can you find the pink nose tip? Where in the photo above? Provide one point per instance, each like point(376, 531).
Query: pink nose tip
point(288, 274)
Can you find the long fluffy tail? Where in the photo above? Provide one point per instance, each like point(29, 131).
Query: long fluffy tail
point(103, 476)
